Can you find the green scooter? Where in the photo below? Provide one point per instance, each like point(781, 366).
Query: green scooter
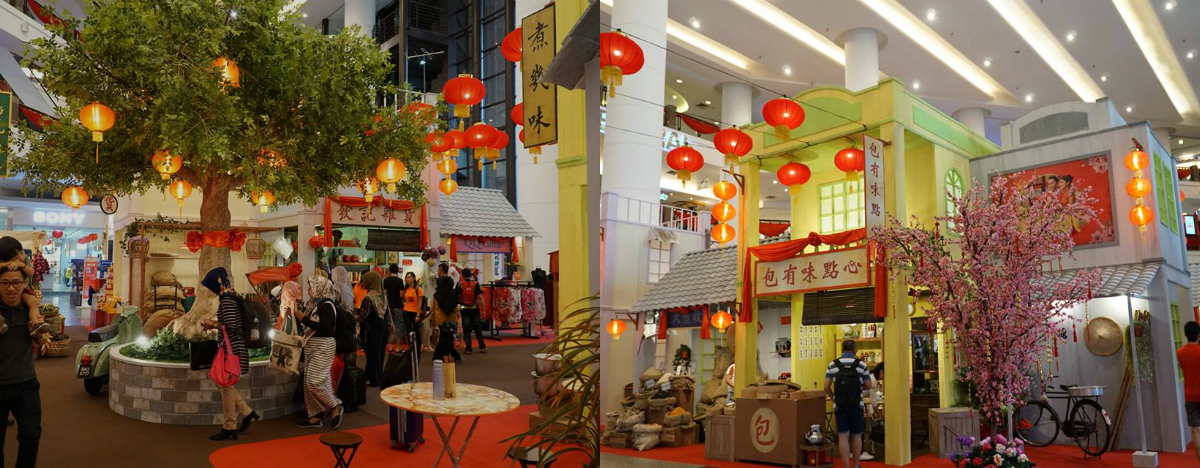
point(92, 362)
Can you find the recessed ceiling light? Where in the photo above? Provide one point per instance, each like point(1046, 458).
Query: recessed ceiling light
point(931, 14)
point(1104, 77)
point(674, 96)
point(916, 84)
point(708, 103)
point(791, 26)
point(774, 181)
point(677, 80)
point(305, 15)
point(695, 22)
point(987, 62)
point(1029, 97)
point(1070, 36)
point(787, 70)
point(1181, 141)
point(1128, 109)
point(784, 190)
point(1191, 54)
point(1170, 5)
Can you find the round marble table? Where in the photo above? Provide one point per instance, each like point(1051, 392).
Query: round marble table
point(472, 401)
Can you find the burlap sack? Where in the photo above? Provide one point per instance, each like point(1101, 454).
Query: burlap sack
point(713, 389)
point(646, 436)
point(628, 418)
point(723, 358)
point(163, 292)
point(158, 320)
point(652, 374)
point(662, 402)
point(162, 278)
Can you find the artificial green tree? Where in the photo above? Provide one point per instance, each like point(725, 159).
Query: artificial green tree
point(308, 98)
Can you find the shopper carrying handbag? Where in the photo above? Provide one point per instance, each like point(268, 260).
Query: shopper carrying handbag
point(231, 352)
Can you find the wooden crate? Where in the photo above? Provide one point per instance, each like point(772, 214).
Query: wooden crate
point(718, 444)
point(946, 425)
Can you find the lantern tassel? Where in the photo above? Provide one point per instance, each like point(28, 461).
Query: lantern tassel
point(462, 111)
point(731, 160)
point(493, 165)
point(685, 176)
point(783, 133)
point(612, 77)
point(97, 150)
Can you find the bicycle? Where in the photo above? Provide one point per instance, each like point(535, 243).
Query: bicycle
point(1087, 422)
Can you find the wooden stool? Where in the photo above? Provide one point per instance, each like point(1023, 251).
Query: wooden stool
point(816, 456)
point(340, 443)
point(530, 457)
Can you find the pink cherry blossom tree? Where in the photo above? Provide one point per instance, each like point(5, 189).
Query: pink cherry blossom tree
point(995, 279)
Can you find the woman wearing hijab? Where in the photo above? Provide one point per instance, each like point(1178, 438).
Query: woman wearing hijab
point(374, 306)
point(344, 292)
point(319, 352)
point(229, 317)
point(290, 300)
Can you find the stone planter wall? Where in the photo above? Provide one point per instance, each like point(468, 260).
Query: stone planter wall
point(172, 393)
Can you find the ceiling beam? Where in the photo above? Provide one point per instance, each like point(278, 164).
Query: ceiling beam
point(1031, 28)
point(1148, 32)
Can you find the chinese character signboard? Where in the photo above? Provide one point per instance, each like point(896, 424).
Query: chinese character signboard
point(837, 269)
point(374, 215)
point(873, 183)
point(678, 319)
point(5, 130)
point(540, 99)
point(489, 245)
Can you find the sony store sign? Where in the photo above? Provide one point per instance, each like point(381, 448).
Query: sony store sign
point(56, 218)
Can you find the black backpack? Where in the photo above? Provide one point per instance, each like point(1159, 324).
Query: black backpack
point(343, 329)
point(847, 385)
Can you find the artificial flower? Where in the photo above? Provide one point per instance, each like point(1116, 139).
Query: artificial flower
point(998, 459)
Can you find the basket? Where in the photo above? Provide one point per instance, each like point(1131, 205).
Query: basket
point(1089, 391)
point(57, 323)
point(57, 349)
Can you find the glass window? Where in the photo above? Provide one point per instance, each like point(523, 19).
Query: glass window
point(954, 191)
point(660, 260)
point(1177, 332)
point(840, 206)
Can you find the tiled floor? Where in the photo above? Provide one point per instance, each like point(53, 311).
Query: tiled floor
point(608, 460)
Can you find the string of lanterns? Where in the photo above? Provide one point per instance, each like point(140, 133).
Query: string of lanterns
point(1138, 188)
point(723, 212)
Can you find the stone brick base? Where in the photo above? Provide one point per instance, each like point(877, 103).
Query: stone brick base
point(172, 393)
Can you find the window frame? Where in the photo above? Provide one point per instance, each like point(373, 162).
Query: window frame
point(953, 181)
point(657, 269)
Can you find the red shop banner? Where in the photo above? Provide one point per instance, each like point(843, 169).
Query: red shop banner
point(482, 245)
point(356, 211)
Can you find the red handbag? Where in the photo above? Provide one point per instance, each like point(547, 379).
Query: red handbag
point(226, 365)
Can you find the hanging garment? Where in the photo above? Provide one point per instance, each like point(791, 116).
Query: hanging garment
point(533, 305)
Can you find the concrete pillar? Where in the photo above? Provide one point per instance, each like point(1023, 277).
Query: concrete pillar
point(736, 102)
point(862, 57)
point(633, 161)
point(745, 354)
point(305, 254)
point(361, 13)
point(1163, 135)
point(973, 118)
point(537, 184)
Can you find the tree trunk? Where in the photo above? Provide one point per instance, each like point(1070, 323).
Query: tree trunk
point(214, 216)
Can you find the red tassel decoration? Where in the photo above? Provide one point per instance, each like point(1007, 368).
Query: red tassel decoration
point(1074, 335)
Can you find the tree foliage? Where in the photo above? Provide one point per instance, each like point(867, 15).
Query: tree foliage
point(306, 96)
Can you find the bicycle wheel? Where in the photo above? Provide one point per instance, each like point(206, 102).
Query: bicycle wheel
point(1091, 427)
point(1037, 423)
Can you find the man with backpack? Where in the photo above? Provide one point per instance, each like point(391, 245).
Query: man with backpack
point(469, 292)
point(845, 380)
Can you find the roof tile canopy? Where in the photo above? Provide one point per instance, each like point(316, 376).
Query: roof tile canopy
point(698, 278)
point(482, 212)
point(1115, 280)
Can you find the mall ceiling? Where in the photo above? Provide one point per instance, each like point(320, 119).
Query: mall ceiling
point(1097, 54)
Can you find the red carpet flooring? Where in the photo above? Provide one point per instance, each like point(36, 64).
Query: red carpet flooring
point(1055, 456)
point(485, 449)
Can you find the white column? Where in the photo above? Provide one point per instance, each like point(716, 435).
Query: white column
point(973, 118)
point(633, 161)
point(361, 13)
point(537, 184)
point(736, 102)
point(862, 58)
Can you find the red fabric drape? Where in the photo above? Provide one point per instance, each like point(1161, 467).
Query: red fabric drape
point(772, 228)
point(698, 125)
point(45, 16)
point(38, 119)
point(232, 240)
point(662, 324)
point(359, 202)
point(453, 250)
point(515, 256)
point(285, 273)
point(881, 276)
point(783, 251)
point(704, 327)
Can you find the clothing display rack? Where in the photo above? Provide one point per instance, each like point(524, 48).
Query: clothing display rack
point(493, 329)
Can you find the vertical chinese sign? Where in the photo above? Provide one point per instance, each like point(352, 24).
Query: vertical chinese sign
point(5, 130)
point(873, 184)
point(540, 99)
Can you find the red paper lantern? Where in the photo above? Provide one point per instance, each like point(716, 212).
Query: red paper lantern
point(1141, 216)
point(1139, 187)
point(511, 46)
point(390, 171)
point(535, 151)
point(783, 114)
point(448, 186)
point(264, 200)
point(851, 161)
point(723, 233)
point(166, 163)
point(725, 190)
point(180, 190)
point(439, 143)
point(75, 197)
point(98, 118)
point(518, 114)
point(463, 91)
point(458, 140)
point(500, 143)
point(723, 212)
point(230, 73)
point(733, 143)
point(619, 56)
point(685, 160)
point(721, 320)
point(793, 173)
point(615, 328)
point(480, 135)
point(1137, 160)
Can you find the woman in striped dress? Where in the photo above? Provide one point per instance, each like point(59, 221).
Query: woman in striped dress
point(319, 352)
point(229, 316)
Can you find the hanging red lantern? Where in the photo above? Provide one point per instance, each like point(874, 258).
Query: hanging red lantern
point(458, 141)
point(518, 114)
point(369, 186)
point(439, 143)
point(733, 143)
point(1137, 160)
point(75, 197)
point(500, 143)
point(725, 190)
point(686, 161)
point(263, 199)
point(535, 151)
point(180, 190)
point(793, 174)
point(230, 73)
point(615, 328)
point(1141, 216)
point(619, 56)
point(721, 320)
point(511, 46)
point(783, 114)
point(447, 166)
point(1138, 187)
point(723, 212)
point(166, 163)
point(390, 171)
point(723, 233)
point(851, 161)
point(448, 186)
point(463, 91)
